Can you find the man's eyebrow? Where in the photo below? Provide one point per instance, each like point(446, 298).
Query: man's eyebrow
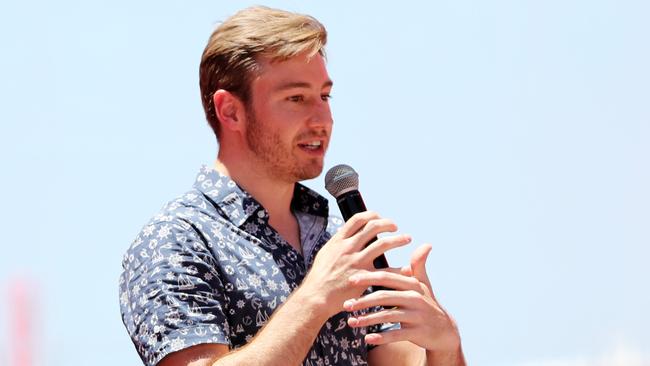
point(301, 84)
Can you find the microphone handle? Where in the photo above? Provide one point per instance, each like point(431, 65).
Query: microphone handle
point(351, 203)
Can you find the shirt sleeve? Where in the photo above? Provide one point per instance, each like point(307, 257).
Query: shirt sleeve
point(171, 295)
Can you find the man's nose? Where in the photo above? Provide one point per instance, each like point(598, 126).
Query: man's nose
point(321, 115)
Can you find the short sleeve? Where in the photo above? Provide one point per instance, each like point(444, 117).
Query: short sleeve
point(171, 295)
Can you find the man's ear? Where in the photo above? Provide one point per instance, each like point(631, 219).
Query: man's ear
point(229, 110)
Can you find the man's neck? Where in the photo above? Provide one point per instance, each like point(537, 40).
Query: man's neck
point(274, 195)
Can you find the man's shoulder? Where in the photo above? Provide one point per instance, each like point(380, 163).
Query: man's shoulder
point(189, 213)
point(188, 207)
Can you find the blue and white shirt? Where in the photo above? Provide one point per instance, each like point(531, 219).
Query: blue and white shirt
point(208, 268)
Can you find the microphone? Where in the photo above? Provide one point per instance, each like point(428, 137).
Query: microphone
point(342, 182)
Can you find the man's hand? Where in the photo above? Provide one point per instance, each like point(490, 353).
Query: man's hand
point(412, 304)
point(344, 256)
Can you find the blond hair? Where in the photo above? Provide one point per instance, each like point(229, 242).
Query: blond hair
point(229, 60)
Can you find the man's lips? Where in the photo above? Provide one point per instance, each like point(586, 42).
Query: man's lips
point(312, 145)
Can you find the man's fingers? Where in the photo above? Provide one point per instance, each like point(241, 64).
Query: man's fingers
point(380, 246)
point(387, 279)
point(419, 268)
point(383, 298)
point(356, 223)
point(370, 231)
point(419, 261)
point(406, 271)
point(389, 336)
point(396, 270)
point(392, 315)
point(364, 227)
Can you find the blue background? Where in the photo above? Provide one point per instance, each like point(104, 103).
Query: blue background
point(518, 133)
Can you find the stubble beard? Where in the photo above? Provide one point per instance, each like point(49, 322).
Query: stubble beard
point(276, 158)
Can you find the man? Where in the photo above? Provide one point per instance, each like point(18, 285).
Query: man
point(247, 268)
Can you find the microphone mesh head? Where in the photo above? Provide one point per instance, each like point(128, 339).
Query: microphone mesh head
point(340, 179)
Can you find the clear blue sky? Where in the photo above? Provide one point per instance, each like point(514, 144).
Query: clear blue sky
point(512, 135)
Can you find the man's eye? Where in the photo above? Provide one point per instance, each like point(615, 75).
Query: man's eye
point(326, 97)
point(296, 98)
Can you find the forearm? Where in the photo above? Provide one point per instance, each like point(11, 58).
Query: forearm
point(406, 353)
point(287, 337)
point(455, 358)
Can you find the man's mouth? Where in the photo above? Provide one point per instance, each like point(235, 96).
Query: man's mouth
point(312, 145)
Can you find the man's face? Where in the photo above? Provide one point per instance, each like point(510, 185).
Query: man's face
point(289, 122)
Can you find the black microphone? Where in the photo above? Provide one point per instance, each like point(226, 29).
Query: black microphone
point(342, 182)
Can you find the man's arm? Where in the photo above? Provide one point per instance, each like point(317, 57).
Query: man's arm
point(292, 329)
point(285, 340)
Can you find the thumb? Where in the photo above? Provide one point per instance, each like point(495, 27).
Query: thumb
point(418, 263)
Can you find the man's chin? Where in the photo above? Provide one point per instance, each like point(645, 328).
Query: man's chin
point(311, 171)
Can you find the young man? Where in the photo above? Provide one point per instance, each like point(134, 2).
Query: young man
point(247, 268)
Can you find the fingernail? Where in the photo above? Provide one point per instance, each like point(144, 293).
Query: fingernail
point(348, 304)
point(371, 338)
point(352, 321)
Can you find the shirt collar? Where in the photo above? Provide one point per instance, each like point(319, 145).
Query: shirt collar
point(308, 201)
point(238, 206)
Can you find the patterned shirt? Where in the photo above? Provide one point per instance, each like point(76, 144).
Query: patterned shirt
point(208, 268)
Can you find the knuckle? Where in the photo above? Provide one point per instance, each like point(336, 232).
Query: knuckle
point(381, 294)
point(414, 295)
point(364, 216)
point(382, 276)
point(373, 224)
point(382, 242)
point(354, 219)
point(371, 214)
point(386, 222)
point(356, 257)
point(392, 313)
point(391, 226)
